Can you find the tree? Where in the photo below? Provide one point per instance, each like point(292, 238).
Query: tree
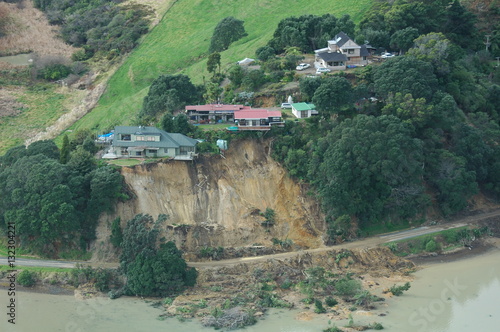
point(460, 26)
point(181, 124)
point(116, 237)
point(167, 122)
point(65, 150)
point(405, 74)
point(370, 168)
point(453, 182)
point(227, 31)
point(152, 272)
point(45, 147)
point(236, 75)
point(213, 63)
point(212, 93)
point(309, 32)
point(435, 49)
point(333, 96)
point(168, 93)
point(308, 86)
point(403, 39)
point(265, 53)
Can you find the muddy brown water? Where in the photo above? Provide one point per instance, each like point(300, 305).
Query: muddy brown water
point(463, 295)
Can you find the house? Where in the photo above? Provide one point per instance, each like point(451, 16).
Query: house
point(303, 110)
point(212, 112)
point(342, 52)
point(257, 119)
point(139, 141)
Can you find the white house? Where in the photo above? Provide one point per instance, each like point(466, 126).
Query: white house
point(342, 52)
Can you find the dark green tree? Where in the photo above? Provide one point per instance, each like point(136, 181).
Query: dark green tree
point(236, 75)
point(227, 31)
point(265, 53)
point(308, 86)
point(169, 93)
point(116, 237)
point(213, 63)
point(370, 168)
point(45, 147)
point(65, 150)
point(333, 96)
point(403, 39)
point(167, 122)
point(405, 74)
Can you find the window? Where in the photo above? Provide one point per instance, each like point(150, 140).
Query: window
point(152, 151)
point(140, 138)
point(350, 51)
point(126, 137)
point(151, 138)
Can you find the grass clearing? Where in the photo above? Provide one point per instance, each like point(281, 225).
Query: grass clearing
point(179, 44)
point(5, 268)
point(42, 106)
point(125, 162)
point(443, 241)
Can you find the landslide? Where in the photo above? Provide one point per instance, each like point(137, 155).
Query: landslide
point(217, 201)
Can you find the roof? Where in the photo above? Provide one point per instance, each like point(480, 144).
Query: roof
point(167, 140)
point(214, 107)
point(340, 39)
point(256, 114)
point(364, 50)
point(332, 56)
point(303, 106)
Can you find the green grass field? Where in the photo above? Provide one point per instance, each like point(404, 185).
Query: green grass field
point(44, 104)
point(179, 44)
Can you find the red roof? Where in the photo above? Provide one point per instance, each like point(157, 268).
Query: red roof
point(214, 107)
point(256, 114)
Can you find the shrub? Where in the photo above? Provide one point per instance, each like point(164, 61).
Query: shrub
point(347, 287)
point(54, 72)
point(319, 309)
point(330, 301)
point(398, 290)
point(432, 246)
point(375, 326)
point(26, 278)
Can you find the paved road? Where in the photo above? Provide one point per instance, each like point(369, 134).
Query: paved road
point(365, 243)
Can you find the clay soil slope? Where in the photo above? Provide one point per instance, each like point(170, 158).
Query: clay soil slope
point(216, 201)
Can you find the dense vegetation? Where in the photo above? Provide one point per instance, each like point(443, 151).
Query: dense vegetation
point(101, 25)
point(152, 271)
point(55, 206)
point(428, 137)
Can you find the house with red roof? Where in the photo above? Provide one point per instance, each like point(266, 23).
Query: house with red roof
point(257, 119)
point(213, 112)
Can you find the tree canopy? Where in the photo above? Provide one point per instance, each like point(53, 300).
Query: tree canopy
point(227, 31)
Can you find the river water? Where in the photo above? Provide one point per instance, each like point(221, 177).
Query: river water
point(449, 297)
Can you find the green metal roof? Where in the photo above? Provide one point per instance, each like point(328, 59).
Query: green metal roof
point(303, 106)
point(167, 140)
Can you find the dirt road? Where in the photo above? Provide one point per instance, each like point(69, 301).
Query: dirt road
point(360, 244)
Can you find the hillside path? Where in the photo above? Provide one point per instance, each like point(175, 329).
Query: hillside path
point(360, 244)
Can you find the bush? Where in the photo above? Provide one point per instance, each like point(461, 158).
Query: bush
point(347, 287)
point(54, 72)
point(26, 278)
point(330, 301)
point(398, 290)
point(319, 309)
point(432, 246)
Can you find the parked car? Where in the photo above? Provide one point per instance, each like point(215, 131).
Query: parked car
point(303, 66)
point(286, 105)
point(387, 55)
point(322, 70)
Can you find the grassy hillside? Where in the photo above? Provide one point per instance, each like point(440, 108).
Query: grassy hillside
point(179, 44)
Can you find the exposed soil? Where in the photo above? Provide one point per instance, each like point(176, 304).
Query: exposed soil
point(29, 31)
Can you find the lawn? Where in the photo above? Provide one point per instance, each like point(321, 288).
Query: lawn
point(179, 44)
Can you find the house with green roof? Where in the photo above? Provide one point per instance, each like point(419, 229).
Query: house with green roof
point(304, 110)
point(146, 142)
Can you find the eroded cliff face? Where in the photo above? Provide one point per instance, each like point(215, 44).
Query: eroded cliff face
point(216, 201)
